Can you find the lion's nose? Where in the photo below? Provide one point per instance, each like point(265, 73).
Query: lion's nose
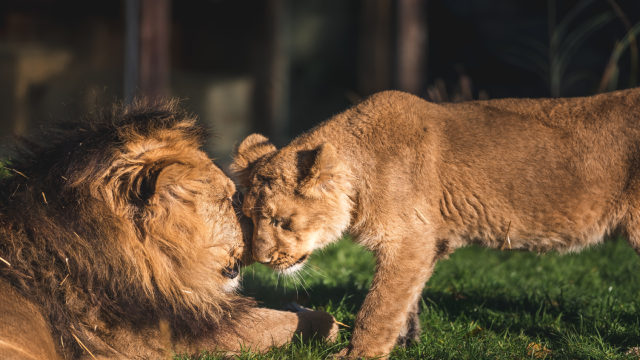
point(230, 272)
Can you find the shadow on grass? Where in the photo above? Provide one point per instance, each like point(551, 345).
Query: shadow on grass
point(317, 296)
point(539, 315)
point(578, 304)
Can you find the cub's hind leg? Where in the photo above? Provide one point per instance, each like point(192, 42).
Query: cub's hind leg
point(631, 229)
point(411, 331)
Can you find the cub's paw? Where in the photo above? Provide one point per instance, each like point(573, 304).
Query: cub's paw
point(349, 353)
point(346, 354)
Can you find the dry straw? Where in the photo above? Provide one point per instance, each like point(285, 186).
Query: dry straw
point(5, 261)
point(17, 172)
point(424, 220)
point(82, 345)
point(506, 238)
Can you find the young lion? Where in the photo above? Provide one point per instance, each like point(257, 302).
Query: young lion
point(118, 240)
point(413, 180)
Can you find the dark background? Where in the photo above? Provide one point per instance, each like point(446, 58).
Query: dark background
point(281, 66)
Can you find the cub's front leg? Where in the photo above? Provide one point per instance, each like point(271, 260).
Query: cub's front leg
point(410, 332)
point(402, 268)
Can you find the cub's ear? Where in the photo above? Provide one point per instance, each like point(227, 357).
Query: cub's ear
point(254, 147)
point(325, 173)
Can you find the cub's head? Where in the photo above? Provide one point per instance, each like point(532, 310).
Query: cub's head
point(299, 199)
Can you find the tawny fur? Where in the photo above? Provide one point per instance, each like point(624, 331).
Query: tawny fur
point(120, 241)
point(413, 181)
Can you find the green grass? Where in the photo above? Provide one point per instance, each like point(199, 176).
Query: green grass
point(480, 304)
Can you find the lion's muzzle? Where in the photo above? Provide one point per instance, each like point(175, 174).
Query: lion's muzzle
point(230, 272)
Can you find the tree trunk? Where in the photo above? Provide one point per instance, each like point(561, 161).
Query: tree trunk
point(271, 92)
point(155, 38)
point(375, 47)
point(411, 62)
point(131, 48)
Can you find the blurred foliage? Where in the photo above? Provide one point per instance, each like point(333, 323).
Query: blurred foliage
point(551, 60)
point(4, 170)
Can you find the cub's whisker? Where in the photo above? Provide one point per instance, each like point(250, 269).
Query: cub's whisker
point(293, 280)
point(305, 283)
point(317, 270)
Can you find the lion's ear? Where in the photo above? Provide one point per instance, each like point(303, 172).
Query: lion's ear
point(324, 174)
point(172, 174)
point(155, 176)
point(254, 147)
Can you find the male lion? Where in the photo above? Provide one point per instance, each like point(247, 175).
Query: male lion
point(118, 240)
point(413, 180)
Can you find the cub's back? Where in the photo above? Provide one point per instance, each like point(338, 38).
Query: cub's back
point(557, 167)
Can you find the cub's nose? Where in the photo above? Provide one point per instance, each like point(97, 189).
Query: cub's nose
point(261, 259)
point(265, 256)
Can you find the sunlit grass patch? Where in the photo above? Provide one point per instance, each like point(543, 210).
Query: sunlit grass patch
point(480, 304)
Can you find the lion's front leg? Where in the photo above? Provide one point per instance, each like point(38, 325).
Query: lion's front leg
point(265, 328)
point(258, 330)
point(397, 284)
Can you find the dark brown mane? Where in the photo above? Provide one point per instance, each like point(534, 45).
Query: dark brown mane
point(74, 207)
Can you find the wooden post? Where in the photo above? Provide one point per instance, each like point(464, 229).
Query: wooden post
point(375, 47)
point(155, 38)
point(131, 48)
point(271, 91)
point(411, 62)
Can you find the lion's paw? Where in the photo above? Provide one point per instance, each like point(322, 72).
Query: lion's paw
point(295, 308)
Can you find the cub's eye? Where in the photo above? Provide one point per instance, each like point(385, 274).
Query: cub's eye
point(283, 223)
point(286, 225)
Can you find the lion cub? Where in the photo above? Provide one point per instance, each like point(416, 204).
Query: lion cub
point(413, 180)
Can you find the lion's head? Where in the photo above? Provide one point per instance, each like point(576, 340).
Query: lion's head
point(120, 215)
point(299, 199)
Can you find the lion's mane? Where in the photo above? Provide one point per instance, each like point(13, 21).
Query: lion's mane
point(84, 243)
